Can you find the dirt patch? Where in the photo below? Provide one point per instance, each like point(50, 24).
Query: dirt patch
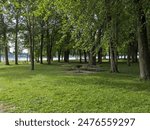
point(80, 72)
point(85, 70)
point(2, 108)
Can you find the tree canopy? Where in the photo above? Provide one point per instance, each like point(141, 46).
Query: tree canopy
point(82, 27)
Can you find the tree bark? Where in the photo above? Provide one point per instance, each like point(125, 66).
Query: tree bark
point(113, 45)
point(67, 51)
point(112, 22)
point(66, 55)
point(42, 42)
point(109, 57)
point(48, 46)
point(38, 56)
point(85, 57)
point(113, 58)
point(30, 25)
point(99, 33)
point(51, 47)
point(4, 31)
point(0, 56)
point(32, 49)
point(6, 50)
point(144, 56)
point(92, 60)
point(129, 55)
point(16, 40)
point(80, 53)
point(134, 52)
point(59, 55)
point(148, 33)
point(113, 49)
point(100, 55)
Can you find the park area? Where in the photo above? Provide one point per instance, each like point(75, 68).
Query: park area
point(74, 56)
point(60, 88)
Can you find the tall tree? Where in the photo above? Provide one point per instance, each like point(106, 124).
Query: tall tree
point(112, 21)
point(144, 53)
point(30, 7)
point(4, 37)
point(42, 41)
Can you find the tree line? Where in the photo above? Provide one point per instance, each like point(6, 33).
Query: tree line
point(88, 28)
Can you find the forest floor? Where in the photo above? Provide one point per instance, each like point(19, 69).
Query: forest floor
point(60, 88)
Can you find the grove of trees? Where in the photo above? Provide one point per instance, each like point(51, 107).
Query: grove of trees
point(89, 28)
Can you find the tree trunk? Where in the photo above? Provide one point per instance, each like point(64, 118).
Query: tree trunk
point(109, 57)
point(66, 55)
point(48, 46)
point(48, 54)
point(59, 55)
point(113, 58)
point(113, 45)
point(67, 51)
point(6, 49)
point(112, 22)
point(98, 40)
point(85, 57)
point(148, 33)
point(4, 29)
point(129, 55)
point(51, 47)
point(134, 48)
point(80, 53)
point(16, 41)
point(124, 56)
point(38, 56)
point(31, 41)
point(32, 60)
point(32, 50)
point(92, 60)
point(100, 55)
point(42, 40)
point(0, 53)
point(136, 52)
point(41, 49)
point(144, 56)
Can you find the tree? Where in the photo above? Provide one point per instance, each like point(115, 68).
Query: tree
point(16, 12)
point(29, 13)
point(144, 53)
point(112, 21)
point(4, 33)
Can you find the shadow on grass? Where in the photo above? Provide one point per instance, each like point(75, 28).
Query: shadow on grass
point(109, 81)
point(19, 72)
point(127, 79)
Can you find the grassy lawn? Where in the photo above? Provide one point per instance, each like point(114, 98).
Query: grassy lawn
point(54, 88)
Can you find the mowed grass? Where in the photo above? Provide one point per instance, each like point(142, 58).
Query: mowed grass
point(53, 88)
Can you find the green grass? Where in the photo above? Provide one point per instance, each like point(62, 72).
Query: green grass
point(54, 88)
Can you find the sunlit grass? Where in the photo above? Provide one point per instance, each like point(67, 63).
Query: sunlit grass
point(54, 88)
